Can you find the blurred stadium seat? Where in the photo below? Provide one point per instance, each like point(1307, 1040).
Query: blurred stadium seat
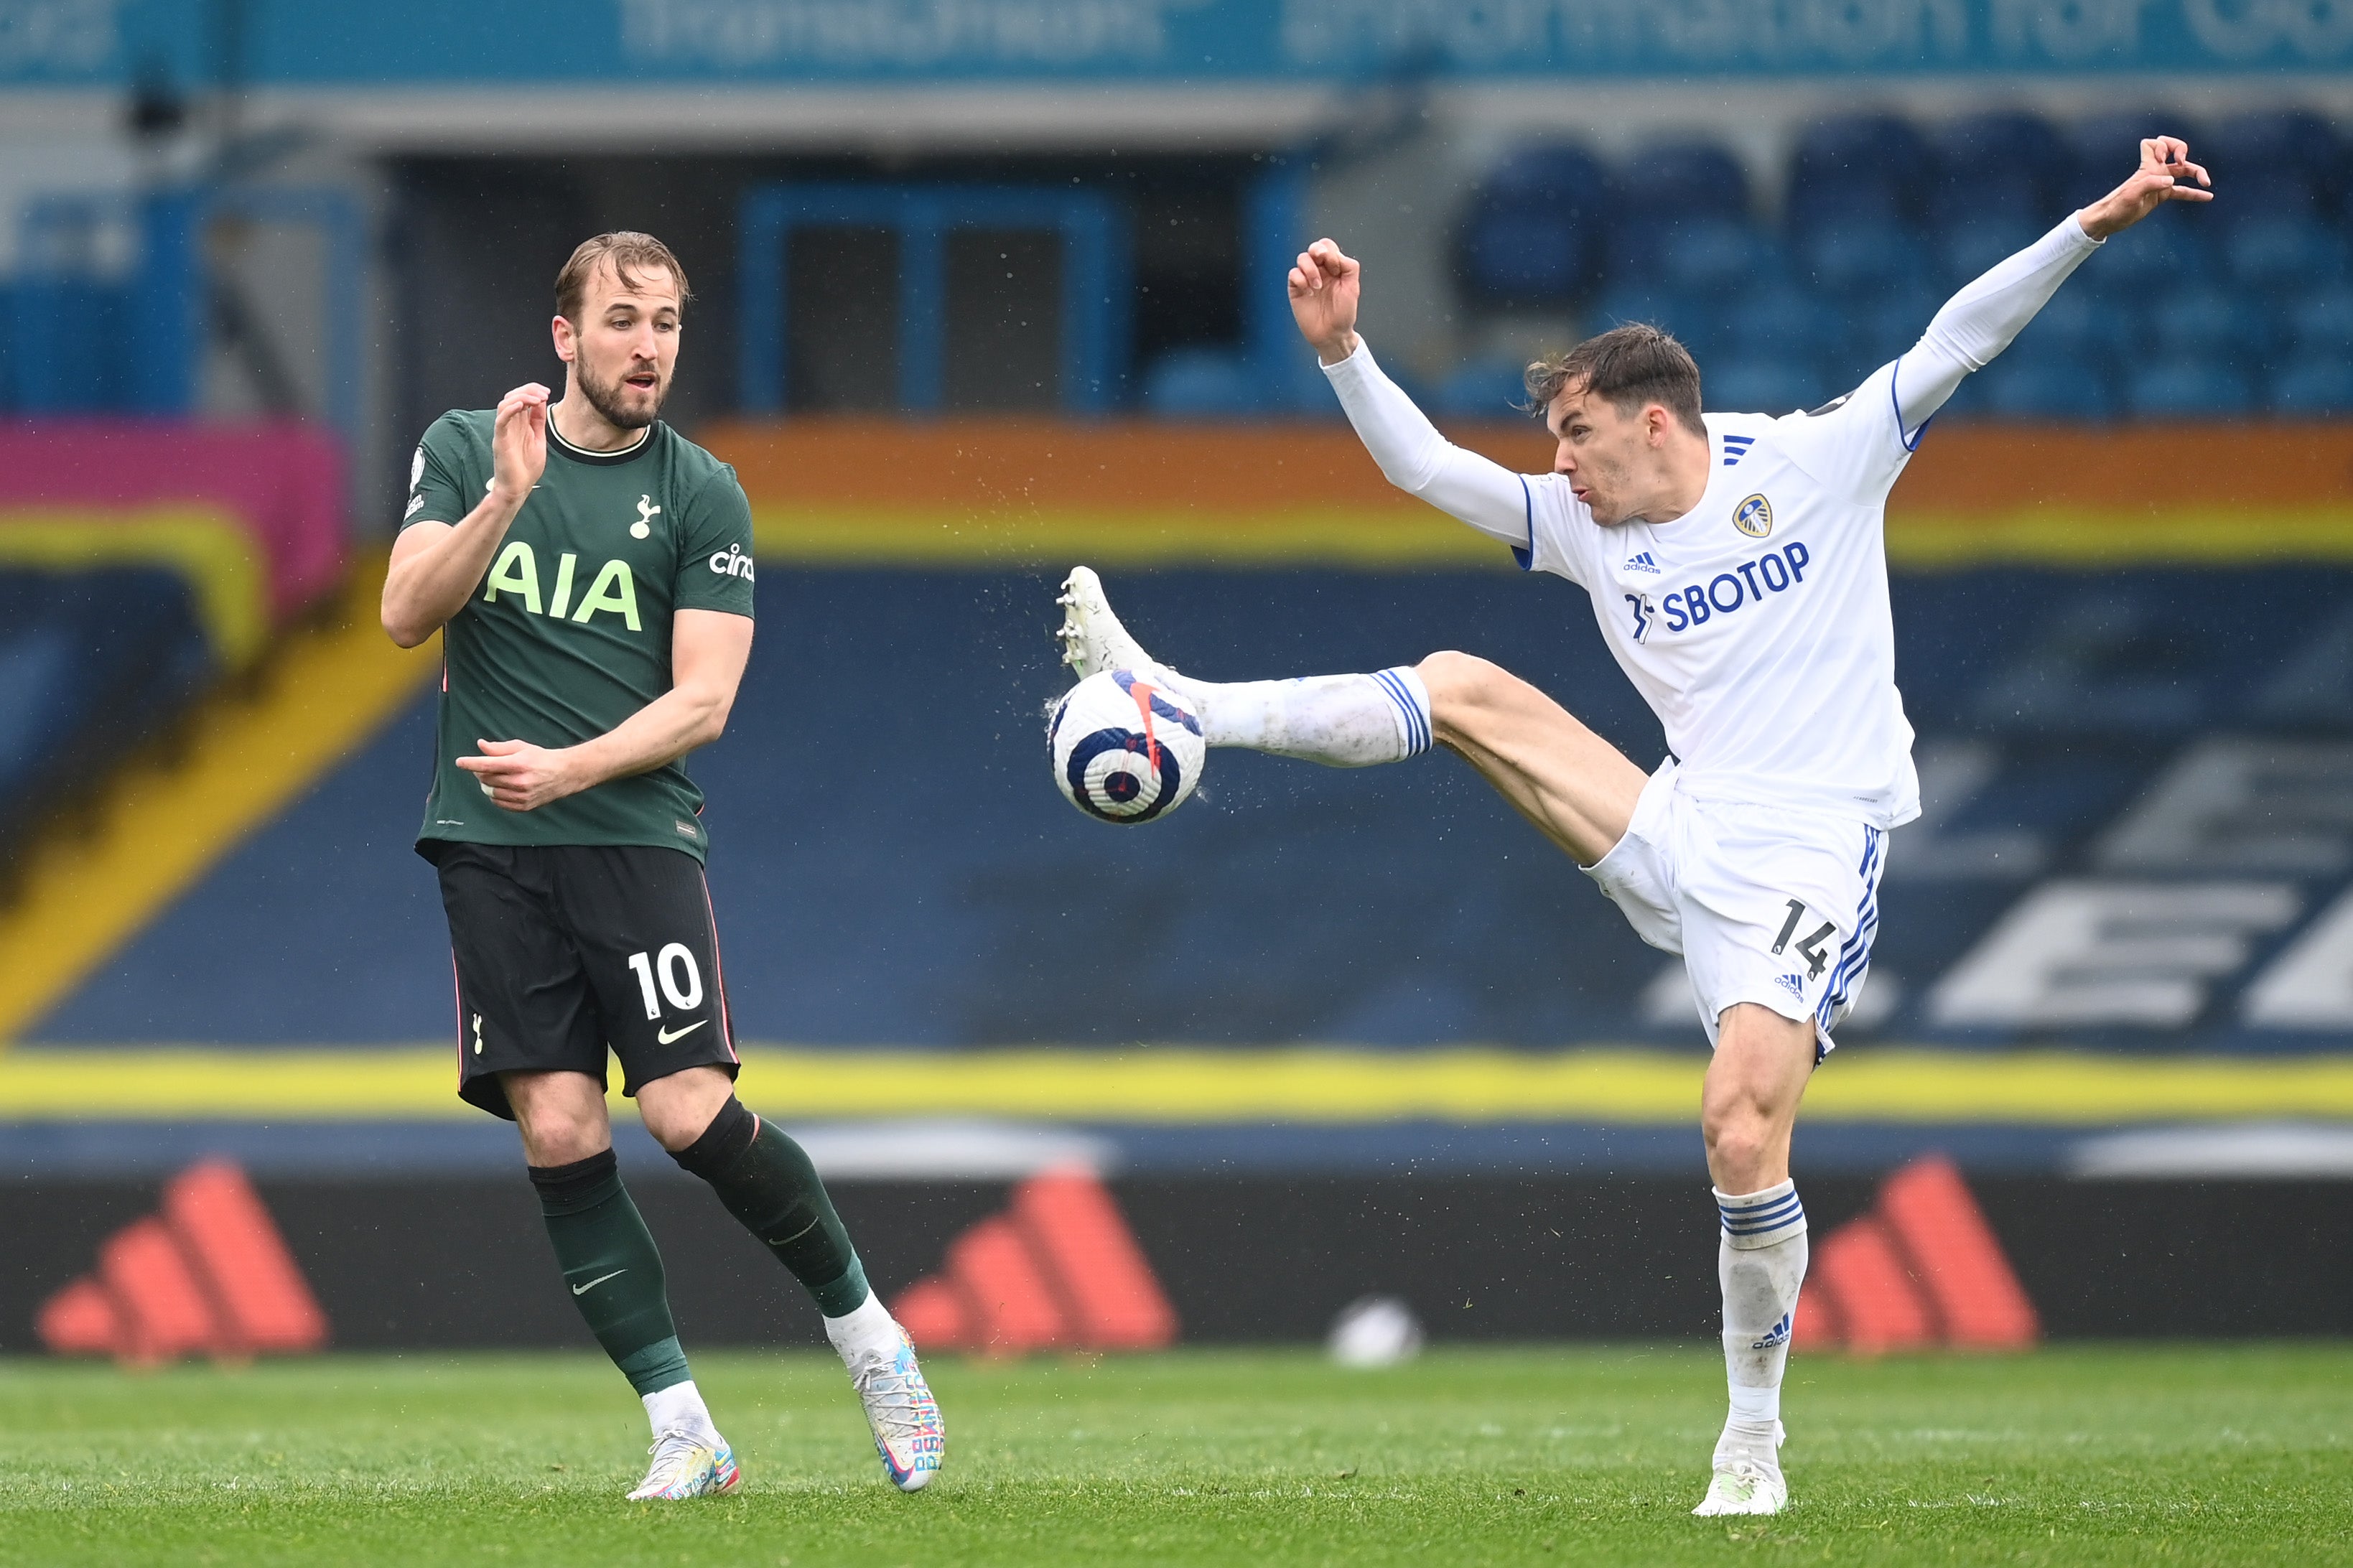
point(1532, 236)
point(1883, 218)
point(1201, 383)
point(1488, 388)
point(2186, 385)
point(2314, 386)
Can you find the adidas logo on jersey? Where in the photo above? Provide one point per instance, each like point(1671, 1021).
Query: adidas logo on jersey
point(1736, 447)
point(1641, 562)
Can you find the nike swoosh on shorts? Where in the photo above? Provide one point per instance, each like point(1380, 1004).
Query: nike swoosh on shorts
point(666, 1037)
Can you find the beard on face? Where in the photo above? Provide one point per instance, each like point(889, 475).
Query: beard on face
point(604, 397)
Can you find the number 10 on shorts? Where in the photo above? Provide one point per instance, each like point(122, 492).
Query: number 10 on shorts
point(681, 980)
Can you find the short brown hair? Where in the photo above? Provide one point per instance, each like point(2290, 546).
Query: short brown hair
point(624, 248)
point(1632, 366)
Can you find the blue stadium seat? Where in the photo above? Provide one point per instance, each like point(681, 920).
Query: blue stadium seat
point(1665, 190)
point(1968, 245)
point(1492, 387)
point(2189, 387)
point(1683, 180)
point(2205, 322)
point(1859, 168)
point(1201, 383)
point(1785, 324)
point(2280, 251)
point(1531, 236)
point(1719, 253)
point(1748, 384)
point(1851, 258)
point(2005, 166)
point(2169, 249)
point(2321, 323)
point(2078, 322)
point(1879, 330)
point(2314, 386)
point(2279, 162)
point(2042, 387)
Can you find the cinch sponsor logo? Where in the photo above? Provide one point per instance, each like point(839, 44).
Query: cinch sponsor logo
point(732, 563)
point(517, 575)
point(1775, 572)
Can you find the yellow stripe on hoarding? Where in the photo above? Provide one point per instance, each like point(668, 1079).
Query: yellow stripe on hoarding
point(1390, 537)
point(1182, 1085)
point(1415, 537)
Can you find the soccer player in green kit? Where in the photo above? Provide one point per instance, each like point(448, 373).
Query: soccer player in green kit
point(591, 571)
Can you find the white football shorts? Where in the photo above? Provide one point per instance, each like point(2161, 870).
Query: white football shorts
point(1766, 904)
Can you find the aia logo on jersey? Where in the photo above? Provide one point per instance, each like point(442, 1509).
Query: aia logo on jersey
point(1754, 517)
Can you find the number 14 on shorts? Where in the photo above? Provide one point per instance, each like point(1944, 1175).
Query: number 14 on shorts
point(682, 978)
point(1810, 944)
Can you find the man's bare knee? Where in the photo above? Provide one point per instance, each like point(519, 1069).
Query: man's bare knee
point(677, 1108)
point(561, 1116)
point(1460, 685)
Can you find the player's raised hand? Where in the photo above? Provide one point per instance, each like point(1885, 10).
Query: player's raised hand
point(519, 443)
point(2164, 165)
point(520, 776)
point(1324, 284)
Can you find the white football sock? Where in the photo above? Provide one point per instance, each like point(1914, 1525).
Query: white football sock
point(1339, 721)
point(679, 1408)
point(1760, 1261)
point(864, 1328)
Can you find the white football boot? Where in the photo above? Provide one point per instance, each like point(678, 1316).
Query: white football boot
point(899, 1408)
point(1092, 638)
point(687, 1464)
point(1748, 1476)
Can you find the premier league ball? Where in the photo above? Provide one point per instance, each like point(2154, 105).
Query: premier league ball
point(1125, 750)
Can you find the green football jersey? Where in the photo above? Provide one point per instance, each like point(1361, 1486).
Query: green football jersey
point(568, 634)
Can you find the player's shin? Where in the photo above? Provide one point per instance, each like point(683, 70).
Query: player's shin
point(1761, 1261)
point(766, 1182)
point(614, 1272)
point(1339, 721)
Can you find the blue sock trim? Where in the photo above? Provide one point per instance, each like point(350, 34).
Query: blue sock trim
point(1761, 1218)
point(1416, 718)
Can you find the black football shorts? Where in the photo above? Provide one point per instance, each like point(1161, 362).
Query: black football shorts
point(564, 950)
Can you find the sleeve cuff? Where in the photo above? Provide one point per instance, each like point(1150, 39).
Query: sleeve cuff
point(1358, 360)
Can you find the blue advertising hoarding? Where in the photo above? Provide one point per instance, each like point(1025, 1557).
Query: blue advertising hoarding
point(287, 43)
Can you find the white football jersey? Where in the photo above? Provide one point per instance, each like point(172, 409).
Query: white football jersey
point(1758, 626)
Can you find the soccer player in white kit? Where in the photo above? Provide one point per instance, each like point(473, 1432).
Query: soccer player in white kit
point(1738, 574)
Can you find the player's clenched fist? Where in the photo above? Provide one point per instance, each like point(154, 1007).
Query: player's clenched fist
point(2164, 163)
point(1323, 288)
point(519, 443)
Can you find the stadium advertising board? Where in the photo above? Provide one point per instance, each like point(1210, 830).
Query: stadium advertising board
point(642, 42)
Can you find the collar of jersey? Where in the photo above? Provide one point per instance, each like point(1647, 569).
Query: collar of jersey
point(582, 455)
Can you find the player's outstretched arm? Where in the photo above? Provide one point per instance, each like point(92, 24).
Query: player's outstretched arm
point(708, 651)
point(1325, 284)
point(1984, 317)
point(436, 565)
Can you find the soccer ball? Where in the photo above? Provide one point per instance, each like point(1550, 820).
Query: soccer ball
point(1125, 750)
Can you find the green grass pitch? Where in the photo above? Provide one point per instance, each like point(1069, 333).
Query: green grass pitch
point(2075, 1455)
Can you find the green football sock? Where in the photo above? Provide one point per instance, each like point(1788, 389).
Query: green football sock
point(610, 1260)
point(765, 1180)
